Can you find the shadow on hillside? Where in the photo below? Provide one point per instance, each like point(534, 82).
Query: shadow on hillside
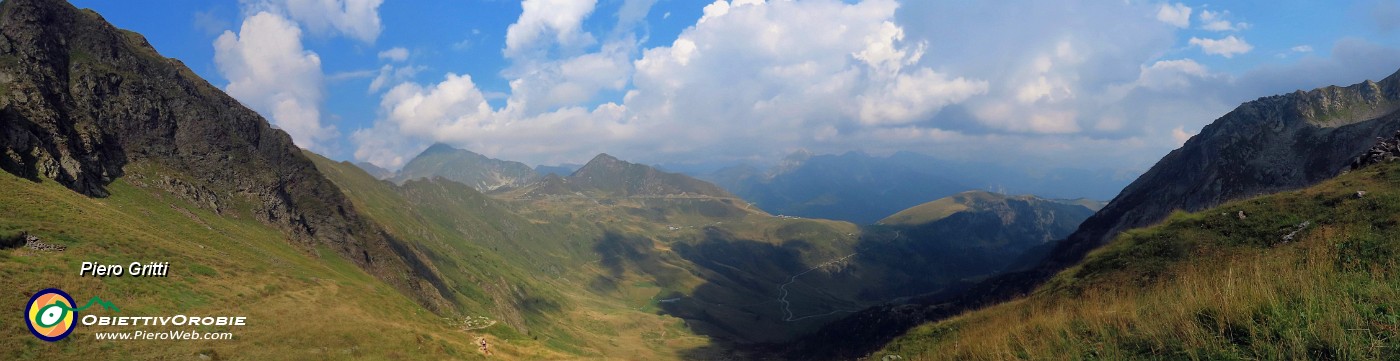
point(829, 314)
point(739, 299)
point(738, 309)
point(618, 252)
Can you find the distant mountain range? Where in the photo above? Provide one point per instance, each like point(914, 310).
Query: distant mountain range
point(559, 170)
point(852, 187)
point(861, 188)
point(606, 176)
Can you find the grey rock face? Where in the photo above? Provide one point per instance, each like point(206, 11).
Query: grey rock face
point(82, 101)
point(1269, 145)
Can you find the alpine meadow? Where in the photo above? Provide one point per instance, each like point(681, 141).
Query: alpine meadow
point(720, 180)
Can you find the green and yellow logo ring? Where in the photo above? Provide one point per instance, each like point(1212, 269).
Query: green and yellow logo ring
point(50, 315)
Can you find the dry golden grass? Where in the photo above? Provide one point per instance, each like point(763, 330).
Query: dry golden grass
point(1233, 292)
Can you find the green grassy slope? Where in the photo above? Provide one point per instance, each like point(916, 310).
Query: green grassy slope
point(526, 272)
point(299, 305)
point(714, 262)
point(1212, 286)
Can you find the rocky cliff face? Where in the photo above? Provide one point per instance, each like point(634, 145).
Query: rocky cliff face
point(475, 170)
point(83, 103)
point(1265, 146)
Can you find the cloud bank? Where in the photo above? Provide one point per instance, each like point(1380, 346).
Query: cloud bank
point(1088, 84)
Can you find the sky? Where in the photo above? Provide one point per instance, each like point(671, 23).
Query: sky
point(1067, 84)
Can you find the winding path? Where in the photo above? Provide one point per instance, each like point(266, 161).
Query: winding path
point(783, 291)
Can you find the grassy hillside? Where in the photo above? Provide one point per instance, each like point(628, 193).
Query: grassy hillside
point(598, 269)
point(1212, 285)
point(568, 278)
point(525, 273)
point(228, 264)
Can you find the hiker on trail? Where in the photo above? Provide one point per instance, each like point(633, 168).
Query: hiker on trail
point(485, 348)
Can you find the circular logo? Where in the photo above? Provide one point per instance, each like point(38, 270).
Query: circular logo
point(50, 315)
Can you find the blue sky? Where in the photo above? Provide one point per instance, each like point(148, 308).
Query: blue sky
point(1084, 84)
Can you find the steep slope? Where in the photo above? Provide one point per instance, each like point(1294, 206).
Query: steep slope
point(466, 167)
point(219, 265)
point(1268, 145)
point(83, 103)
point(606, 176)
point(519, 272)
point(1308, 274)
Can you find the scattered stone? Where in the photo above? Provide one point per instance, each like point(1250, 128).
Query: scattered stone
point(1360, 194)
point(34, 244)
point(476, 323)
point(1298, 228)
point(1385, 150)
point(1241, 215)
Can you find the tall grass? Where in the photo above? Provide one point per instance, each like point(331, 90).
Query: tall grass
point(1210, 286)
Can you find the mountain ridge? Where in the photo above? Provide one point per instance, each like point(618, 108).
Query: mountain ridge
point(607, 176)
point(464, 166)
point(85, 103)
point(1273, 144)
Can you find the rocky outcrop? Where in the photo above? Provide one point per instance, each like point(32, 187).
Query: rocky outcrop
point(83, 103)
point(1385, 150)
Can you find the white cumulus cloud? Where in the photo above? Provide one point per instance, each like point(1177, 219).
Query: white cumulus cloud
point(1227, 47)
point(396, 54)
point(559, 21)
point(757, 75)
point(358, 19)
point(1177, 14)
point(270, 71)
point(1216, 21)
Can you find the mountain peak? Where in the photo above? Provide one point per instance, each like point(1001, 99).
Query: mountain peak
point(440, 148)
point(604, 158)
point(608, 176)
point(467, 167)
